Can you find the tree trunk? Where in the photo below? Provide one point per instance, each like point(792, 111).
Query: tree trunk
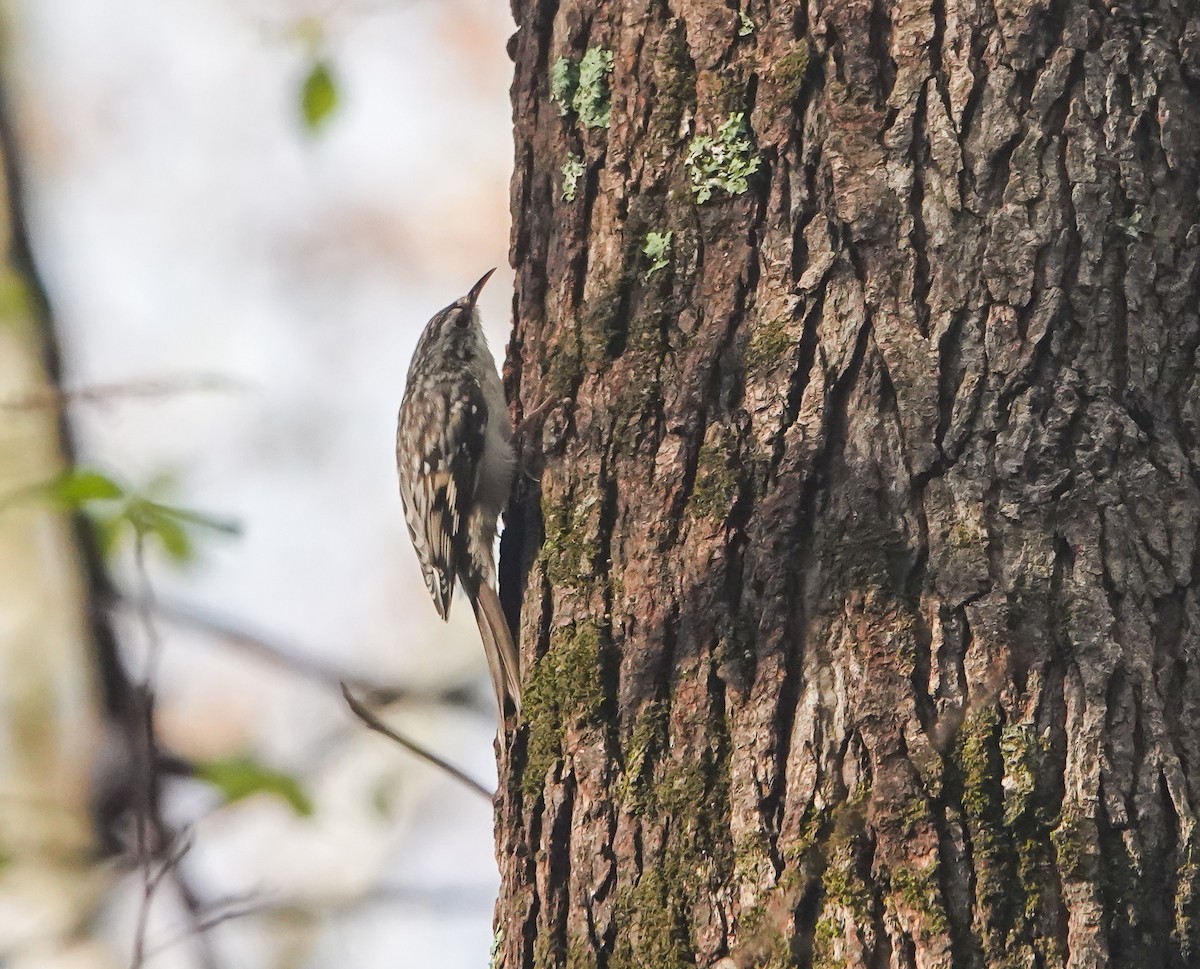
point(51, 716)
point(859, 624)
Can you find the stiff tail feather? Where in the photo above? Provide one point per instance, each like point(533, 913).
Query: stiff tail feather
point(502, 658)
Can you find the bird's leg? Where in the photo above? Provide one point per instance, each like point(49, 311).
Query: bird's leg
point(530, 463)
point(533, 419)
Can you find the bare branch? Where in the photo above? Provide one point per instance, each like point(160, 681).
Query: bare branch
point(152, 877)
point(58, 398)
point(152, 833)
point(372, 721)
point(293, 659)
point(438, 897)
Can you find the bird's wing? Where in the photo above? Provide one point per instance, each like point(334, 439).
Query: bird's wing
point(437, 481)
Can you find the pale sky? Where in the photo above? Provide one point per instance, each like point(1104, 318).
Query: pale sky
point(187, 226)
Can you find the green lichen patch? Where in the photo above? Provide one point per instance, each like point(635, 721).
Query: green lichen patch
point(724, 162)
point(565, 687)
point(1022, 751)
point(788, 73)
point(1132, 226)
point(580, 954)
point(978, 757)
point(647, 740)
point(771, 342)
point(981, 767)
point(728, 94)
point(762, 941)
point(796, 850)
point(497, 943)
point(572, 170)
point(832, 846)
point(688, 796)
point(718, 471)
point(1075, 848)
point(920, 890)
point(998, 766)
point(846, 904)
point(571, 543)
point(657, 250)
point(652, 928)
point(592, 99)
point(583, 87)
point(751, 857)
point(745, 24)
point(564, 82)
point(845, 888)
point(913, 812)
point(827, 939)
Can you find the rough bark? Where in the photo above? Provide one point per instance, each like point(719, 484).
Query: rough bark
point(860, 624)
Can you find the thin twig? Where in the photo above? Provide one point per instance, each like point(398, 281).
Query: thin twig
point(145, 753)
point(292, 658)
point(56, 398)
point(222, 911)
point(153, 877)
point(152, 834)
point(372, 721)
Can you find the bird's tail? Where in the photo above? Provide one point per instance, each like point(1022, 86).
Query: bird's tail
point(502, 658)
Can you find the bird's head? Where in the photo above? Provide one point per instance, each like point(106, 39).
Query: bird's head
point(460, 315)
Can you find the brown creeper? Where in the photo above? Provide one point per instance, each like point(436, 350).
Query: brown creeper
point(455, 457)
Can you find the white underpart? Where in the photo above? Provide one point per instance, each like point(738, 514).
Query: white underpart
point(497, 462)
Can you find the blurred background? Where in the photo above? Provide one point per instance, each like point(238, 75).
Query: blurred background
point(226, 222)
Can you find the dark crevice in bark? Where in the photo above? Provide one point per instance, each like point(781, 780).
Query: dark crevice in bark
point(1120, 321)
point(800, 375)
point(950, 377)
point(529, 924)
point(919, 154)
point(879, 38)
point(979, 72)
point(955, 886)
point(556, 863)
point(1171, 668)
point(800, 535)
point(999, 170)
point(774, 799)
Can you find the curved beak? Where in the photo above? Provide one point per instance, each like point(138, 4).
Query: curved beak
point(473, 295)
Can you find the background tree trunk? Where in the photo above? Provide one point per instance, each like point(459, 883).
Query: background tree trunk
point(51, 693)
point(860, 624)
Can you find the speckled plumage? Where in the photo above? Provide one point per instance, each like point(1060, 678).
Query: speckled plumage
point(455, 460)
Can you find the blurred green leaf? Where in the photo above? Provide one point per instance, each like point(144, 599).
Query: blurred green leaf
point(318, 95)
point(77, 487)
point(114, 511)
point(240, 777)
point(171, 527)
point(201, 519)
point(175, 540)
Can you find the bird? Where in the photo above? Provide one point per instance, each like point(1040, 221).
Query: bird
point(456, 461)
